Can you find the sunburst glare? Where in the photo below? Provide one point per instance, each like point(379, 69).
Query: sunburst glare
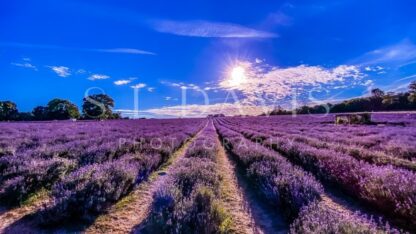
point(237, 76)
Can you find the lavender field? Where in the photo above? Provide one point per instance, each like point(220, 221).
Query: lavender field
point(279, 174)
point(207, 117)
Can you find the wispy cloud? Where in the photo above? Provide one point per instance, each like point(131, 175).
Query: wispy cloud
point(400, 53)
point(138, 86)
point(200, 28)
point(98, 77)
point(58, 47)
point(399, 85)
point(150, 89)
point(124, 51)
point(25, 65)
point(61, 71)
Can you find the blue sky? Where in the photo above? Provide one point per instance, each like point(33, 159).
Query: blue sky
point(312, 50)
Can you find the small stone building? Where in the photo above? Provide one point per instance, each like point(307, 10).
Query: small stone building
point(355, 118)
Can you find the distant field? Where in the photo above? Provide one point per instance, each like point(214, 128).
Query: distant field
point(278, 174)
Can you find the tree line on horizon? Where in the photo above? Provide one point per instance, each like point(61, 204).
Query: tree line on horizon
point(378, 101)
point(98, 107)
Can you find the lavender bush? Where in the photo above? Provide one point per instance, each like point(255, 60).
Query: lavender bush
point(389, 189)
point(43, 153)
point(318, 218)
point(90, 190)
point(18, 184)
point(189, 202)
point(88, 165)
point(281, 183)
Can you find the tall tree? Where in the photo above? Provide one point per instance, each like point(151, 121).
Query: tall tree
point(378, 93)
point(8, 111)
point(59, 109)
point(390, 99)
point(98, 106)
point(412, 98)
point(116, 116)
point(24, 116)
point(376, 100)
point(412, 91)
point(412, 87)
point(40, 113)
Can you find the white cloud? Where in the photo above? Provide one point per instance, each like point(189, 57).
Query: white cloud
point(58, 47)
point(172, 84)
point(200, 28)
point(263, 84)
point(125, 81)
point(98, 77)
point(138, 86)
point(26, 59)
point(124, 51)
point(60, 70)
point(171, 99)
point(182, 85)
point(25, 65)
point(374, 68)
point(369, 83)
point(176, 85)
point(402, 52)
point(122, 82)
point(259, 60)
point(211, 88)
point(193, 111)
point(150, 89)
point(399, 85)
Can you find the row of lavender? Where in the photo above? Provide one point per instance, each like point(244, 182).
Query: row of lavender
point(378, 145)
point(389, 189)
point(389, 118)
point(292, 190)
point(189, 201)
point(87, 166)
point(72, 140)
point(393, 140)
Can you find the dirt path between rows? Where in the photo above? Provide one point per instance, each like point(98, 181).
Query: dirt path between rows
point(133, 209)
point(10, 216)
point(249, 213)
point(233, 197)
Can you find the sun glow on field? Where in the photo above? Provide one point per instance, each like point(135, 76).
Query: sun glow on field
point(237, 76)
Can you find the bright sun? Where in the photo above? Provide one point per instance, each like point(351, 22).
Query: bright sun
point(238, 76)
